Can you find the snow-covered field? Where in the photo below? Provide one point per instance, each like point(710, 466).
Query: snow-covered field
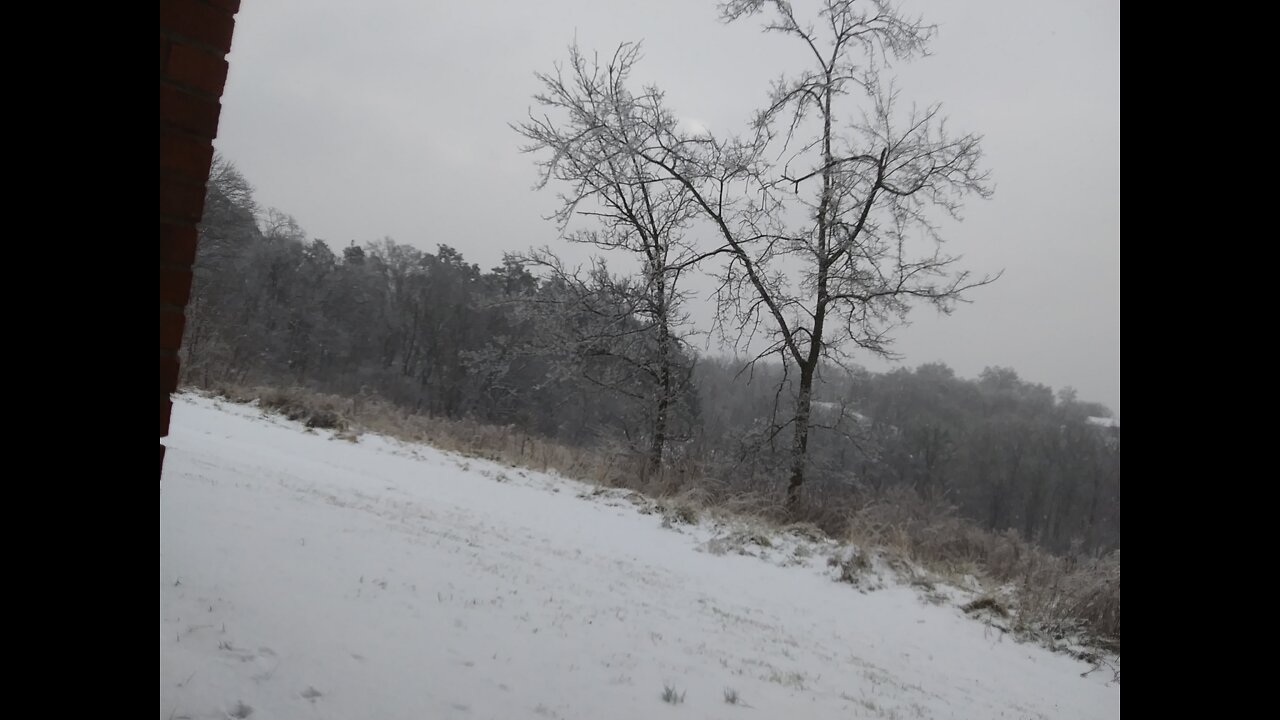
point(303, 576)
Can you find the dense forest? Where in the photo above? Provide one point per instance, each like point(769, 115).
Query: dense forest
point(579, 357)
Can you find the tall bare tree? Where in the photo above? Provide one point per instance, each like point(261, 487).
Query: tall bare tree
point(828, 220)
point(586, 126)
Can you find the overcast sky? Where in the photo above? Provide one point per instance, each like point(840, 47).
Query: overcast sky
point(390, 118)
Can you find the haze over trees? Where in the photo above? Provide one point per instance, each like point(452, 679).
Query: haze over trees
point(575, 357)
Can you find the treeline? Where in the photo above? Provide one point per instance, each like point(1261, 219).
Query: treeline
point(571, 357)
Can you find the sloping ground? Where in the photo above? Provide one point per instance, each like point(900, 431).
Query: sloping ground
point(303, 576)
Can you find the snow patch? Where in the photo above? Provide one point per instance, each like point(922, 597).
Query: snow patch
point(305, 576)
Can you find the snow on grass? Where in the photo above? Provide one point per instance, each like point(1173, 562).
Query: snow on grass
point(304, 576)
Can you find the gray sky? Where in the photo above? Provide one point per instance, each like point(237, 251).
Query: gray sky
point(389, 118)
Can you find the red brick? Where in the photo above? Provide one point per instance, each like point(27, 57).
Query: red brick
point(185, 156)
point(198, 21)
point(166, 409)
point(172, 321)
point(181, 201)
point(231, 6)
point(177, 244)
point(175, 286)
point(168, 372)
point(196, 69)
point(184, 111)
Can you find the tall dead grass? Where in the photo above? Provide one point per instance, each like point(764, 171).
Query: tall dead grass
point(1052, 595)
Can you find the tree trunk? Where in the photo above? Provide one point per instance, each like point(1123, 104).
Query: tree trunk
point(664, 399)
point(800, 448)
point(808, 366)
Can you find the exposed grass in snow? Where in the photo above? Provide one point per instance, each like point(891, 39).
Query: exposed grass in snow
point(1071, 603)
point(1067, 603)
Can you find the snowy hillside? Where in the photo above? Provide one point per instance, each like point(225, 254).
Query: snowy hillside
point(303, 576)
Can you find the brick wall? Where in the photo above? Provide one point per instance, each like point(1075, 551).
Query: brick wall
point(195, 37)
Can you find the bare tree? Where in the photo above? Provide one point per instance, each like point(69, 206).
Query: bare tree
point(829, 223)
point(586, 127)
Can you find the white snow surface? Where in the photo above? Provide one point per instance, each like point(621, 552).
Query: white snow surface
point(306, 576)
